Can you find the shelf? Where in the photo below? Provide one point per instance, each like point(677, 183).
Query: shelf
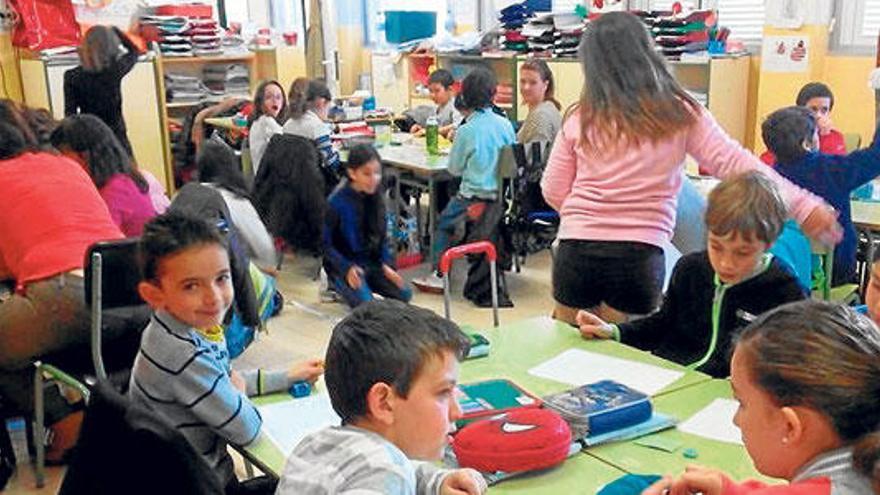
point(213, 99)
point(202, 60)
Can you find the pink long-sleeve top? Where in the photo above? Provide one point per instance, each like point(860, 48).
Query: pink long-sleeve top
point(630, 195)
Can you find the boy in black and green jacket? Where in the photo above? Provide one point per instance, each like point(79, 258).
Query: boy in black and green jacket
point(713, 293)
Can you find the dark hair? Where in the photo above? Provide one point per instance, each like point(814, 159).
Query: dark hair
point(41, 124)
point(785, 131)
point(90, 137)
point(360, 155)
point(629, 96)
point(13, 113)
point(374, 226)
point(11, 142)
point(171, 233)
point(388, 342)
point(302, 96)
point(748, 204)
point(543, 70)
point(814, 90)
point(478, 88)
point(459, 103)
point(443, 77)
point(218, 164)
point(260, 98)
point(826, 357)
point(99, 48)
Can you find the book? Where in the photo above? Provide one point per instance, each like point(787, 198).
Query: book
point(600, 407)
point(489, 397)
point(479, 346)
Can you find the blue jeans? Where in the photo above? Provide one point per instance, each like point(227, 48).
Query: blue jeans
point(450, 227)
point(373, 280)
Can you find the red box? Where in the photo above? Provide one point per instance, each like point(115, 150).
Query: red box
point(186, 10)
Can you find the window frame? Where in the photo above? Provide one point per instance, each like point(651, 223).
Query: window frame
point(846, 36)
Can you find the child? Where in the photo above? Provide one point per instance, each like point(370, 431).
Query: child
point(269, 105)
point(308, 103)
point(182, 371)
point(818, 99)
point(88, 140)
point(391, 375)
point(791, 134)
point(806, 378)
point(714, 292)
point(616, 168)
point(440, 84)
point(106, 56)
point(356, 255)
point(474, 157)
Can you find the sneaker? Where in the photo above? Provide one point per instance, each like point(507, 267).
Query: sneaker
point(431, 283)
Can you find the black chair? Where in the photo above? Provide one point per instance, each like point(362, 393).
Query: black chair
point(111, 277)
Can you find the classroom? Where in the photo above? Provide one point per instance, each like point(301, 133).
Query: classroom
point(440, 247)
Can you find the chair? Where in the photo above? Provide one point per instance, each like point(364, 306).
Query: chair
point(852, 140)
point(846, 293)
point(111, 277)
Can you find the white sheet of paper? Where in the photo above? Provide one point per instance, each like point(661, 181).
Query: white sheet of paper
point(578, 367)
point(715, 422)
point(288, 422)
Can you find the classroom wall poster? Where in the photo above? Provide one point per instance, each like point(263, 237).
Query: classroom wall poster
point(785, 54)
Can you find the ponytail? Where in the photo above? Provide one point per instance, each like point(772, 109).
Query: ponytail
point(297, 103)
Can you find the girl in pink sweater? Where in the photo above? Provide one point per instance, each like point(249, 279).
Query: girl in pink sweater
point(807, 379)
point(615, 171)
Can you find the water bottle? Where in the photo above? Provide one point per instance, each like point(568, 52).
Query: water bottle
point(17, 429)
point(432, 131)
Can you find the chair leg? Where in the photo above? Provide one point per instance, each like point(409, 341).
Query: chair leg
point(39, 429)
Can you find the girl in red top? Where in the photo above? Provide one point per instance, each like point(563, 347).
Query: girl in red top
point(87, 140)
point(807, 378)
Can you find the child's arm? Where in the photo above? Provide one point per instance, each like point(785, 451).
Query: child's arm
point(261, 382)
point(325, 146)
point(332, 224)
point(852, 170)
point(205, 388)
point(649, 332)
point(126, 62)
point(561, 170)
point(461, 152)
point(431, 480)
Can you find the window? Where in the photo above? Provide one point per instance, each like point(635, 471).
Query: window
point(744, 18)
point(870, 19)
point(858, 23)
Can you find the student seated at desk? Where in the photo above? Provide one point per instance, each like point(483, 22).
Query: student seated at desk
point(806, 377)
point(182, 371)
point(357, 258)
point(270, 105)
point(391, 374)
point(307, 105)
point(440, 84)
point(792, 135)
point(88, 141)
point(474, 157)
point(713, 293)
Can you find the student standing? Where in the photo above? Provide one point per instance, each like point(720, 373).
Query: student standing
point(615, 171)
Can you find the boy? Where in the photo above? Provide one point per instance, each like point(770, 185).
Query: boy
point(474, 158)
point(818, 99)
point(182, 369)
point(440, 85)
point(791, 134)
point(391, 375)
point(712, 293)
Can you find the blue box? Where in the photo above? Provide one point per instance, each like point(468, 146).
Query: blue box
point(404, 25)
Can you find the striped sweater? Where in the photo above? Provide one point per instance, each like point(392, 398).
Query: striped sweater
point(310, 126)
point(184, 377)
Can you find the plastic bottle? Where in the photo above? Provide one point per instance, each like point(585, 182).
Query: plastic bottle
point(17, 429)
point(432, 131)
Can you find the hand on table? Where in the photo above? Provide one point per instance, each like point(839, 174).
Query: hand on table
point(593, 327)
point(463, 482)
point(308, 370)
point(695, 479)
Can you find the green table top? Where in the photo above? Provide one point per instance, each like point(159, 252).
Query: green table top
point(518, 347)
point(683, 403)
point(578, 474)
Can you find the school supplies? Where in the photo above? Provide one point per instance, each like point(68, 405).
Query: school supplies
point(479, 346)
point(517, 441)
point(600, 407)
point(286, 423)
point(489, 397)
point(715, 422)
point(300, 388)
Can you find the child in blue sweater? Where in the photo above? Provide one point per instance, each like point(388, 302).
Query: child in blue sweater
point(474, 158)
point(356, 255)
point(792, 135)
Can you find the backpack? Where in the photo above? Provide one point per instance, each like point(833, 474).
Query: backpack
point(517, 441)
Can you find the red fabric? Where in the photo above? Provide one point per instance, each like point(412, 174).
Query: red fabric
point(44, 24)
point(813, 486)
point(832, 143)
point(51, 214)
point(768, 157)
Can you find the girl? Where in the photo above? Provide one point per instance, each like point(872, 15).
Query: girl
point(357, 259)
point(269, 105)
point(106, 56)
point(807, 378)
point(308, 103)
point(536, 87)
point(89, 142)
point(615, 170)
point(289, 192)
point(219, 169)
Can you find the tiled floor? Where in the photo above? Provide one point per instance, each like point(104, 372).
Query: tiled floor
point(303, 327)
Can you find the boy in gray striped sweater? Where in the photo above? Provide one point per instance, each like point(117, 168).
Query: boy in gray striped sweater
point(391, 374)
point(182, 370)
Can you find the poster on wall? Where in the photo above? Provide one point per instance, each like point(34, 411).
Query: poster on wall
point(785, 54)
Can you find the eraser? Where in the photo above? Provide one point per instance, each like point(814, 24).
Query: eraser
point(690, 453)
point(300, 389)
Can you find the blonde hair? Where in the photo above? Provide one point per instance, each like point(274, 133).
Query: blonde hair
point(749, 205)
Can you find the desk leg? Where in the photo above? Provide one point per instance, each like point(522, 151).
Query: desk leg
point(432, 215)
